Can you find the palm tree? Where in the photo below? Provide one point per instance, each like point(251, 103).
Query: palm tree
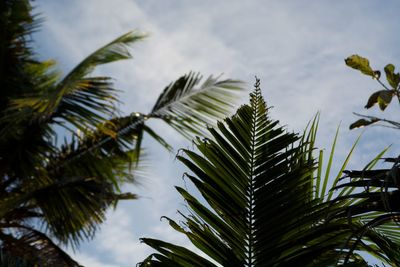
point(56, 193)
point(265, 202)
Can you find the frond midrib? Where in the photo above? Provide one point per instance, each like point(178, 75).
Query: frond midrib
point(249, 256)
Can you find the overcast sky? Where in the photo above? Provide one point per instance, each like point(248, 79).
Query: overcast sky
point(297, 49)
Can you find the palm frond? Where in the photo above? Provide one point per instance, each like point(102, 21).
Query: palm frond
point(374, 195)
point(78, 99)
point(257, 181)
point(72, 197)
point(16, 25)
point(120, 136)
point(6, 259)
point(189, 107)
point(329, 195)
point(114, 137)
point(33, 248)
point(70, 208)
point(86, 96)
point(84, 191)
point(346, 204)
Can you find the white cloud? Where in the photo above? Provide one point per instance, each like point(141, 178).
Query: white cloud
point(92, 261)
point(118, 239)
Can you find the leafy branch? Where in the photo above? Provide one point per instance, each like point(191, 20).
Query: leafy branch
point(382, 97)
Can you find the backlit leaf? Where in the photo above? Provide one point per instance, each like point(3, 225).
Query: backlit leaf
point(360, 63)
point(392, 78)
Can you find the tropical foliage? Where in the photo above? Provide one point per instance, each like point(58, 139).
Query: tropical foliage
point(56, 192)
point(382, 97)
point(379, 189)
point(266, 202)
point(379, 195)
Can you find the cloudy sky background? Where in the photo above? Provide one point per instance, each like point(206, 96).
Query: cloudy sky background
point(296, 48)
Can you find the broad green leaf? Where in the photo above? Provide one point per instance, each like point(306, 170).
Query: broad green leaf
point(361, 64)
point(392, 78)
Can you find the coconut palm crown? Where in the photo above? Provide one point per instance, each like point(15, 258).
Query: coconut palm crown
point(264, 202)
